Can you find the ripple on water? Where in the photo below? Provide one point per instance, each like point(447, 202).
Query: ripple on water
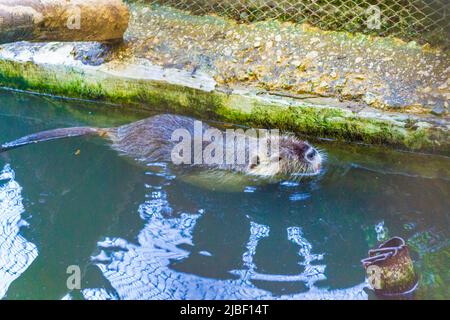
point(143, 270)
point(299, 196)
point(16, 253)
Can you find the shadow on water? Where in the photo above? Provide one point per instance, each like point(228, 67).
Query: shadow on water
point(145, 233)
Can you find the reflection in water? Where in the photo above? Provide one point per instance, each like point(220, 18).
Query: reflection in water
point(381, 231)
point(142, 270)
point(16, 253)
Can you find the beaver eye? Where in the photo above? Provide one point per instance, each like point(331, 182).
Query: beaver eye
point(301, 149)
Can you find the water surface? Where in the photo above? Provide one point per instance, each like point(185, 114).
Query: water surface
point(142, 232)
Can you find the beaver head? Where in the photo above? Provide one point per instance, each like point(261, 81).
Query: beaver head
point(295, 157)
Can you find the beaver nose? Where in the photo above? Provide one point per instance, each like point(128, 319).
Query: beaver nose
point(310, 154)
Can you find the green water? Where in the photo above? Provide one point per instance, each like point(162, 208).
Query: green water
point(141, 232)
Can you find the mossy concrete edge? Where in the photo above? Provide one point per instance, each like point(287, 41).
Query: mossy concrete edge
point(244, 108)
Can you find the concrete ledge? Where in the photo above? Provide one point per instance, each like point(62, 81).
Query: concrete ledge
point(53, 68)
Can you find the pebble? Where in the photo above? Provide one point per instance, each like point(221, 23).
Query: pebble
point(438, 110)
point(422, 125)
point(312, 55)
point(369, 98)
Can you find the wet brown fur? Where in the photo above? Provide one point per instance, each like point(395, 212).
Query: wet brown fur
point(150, 140)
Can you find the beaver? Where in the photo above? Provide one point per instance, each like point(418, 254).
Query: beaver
point(151, 140)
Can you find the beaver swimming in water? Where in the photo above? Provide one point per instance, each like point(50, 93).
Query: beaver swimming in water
point(152, 140)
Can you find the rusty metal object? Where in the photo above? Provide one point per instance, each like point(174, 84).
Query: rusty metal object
point(390, 269)
point(62, 20)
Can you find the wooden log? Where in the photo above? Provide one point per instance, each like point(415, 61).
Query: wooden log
point(62, 20)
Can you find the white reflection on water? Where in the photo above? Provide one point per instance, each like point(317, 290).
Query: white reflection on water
point(16, 253)
point(142, 270)
point(310, 275)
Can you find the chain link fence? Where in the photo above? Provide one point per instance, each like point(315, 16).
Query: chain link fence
point(420, 20)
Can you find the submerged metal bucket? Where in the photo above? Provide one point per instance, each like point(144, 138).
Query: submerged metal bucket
point(390, 269)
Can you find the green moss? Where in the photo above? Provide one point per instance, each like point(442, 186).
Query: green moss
point(401, 278)
point(240, 109)
point(28, 76)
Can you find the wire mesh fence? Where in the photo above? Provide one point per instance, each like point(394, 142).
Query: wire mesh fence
point(421, 20)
